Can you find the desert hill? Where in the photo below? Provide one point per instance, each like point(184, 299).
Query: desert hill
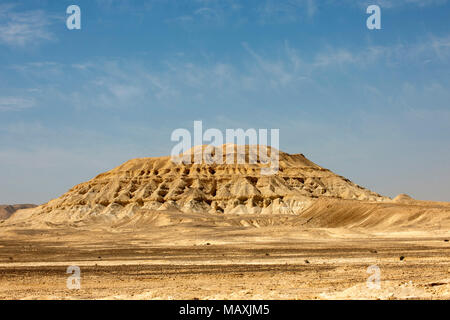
point(154, 192)
point(7, 210)
point(162, 185)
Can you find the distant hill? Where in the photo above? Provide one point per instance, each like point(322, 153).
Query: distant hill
point(7, 210)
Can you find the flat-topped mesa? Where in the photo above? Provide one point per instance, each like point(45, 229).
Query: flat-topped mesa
point(197, 158)
point(248, 154)
point(161, 184)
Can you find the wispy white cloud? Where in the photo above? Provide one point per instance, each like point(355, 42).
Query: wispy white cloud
point(427, 50)
point(209, 12)
point(116, 83)
point(23, 28)
point(15, 103)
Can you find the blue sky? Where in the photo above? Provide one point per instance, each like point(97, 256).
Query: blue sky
point(370, 105)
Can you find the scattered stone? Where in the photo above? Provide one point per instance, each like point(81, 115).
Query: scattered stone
point(306, 261)
point(402, 258)
point(435, 284)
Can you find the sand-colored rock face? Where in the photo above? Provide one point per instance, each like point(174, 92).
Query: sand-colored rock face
point(161, 184)
point(8, 210)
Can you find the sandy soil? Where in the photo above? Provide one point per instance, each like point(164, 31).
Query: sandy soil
point(198, 261)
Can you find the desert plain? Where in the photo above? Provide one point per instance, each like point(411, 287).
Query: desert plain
point(152, 229)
